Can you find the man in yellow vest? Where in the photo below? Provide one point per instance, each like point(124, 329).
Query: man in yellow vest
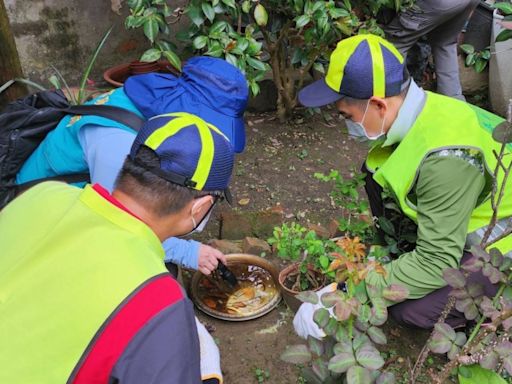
point(84, 293)
point(433, 153)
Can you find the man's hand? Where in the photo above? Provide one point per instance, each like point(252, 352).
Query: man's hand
point(209, 259)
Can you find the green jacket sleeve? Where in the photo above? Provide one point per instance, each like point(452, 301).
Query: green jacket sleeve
point(447, 190)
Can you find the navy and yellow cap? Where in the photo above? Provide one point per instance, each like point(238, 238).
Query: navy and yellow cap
point(360, 67)
point(192, 153)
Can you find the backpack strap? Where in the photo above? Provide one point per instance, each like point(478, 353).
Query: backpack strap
point(73, 178)
point(111, 112)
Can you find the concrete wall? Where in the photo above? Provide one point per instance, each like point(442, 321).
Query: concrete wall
point(64, 33)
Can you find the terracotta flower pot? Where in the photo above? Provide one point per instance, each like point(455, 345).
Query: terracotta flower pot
point(289, 295)
point(117, 75)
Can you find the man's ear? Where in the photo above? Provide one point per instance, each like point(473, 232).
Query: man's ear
point(380, 103)
point(201, 205)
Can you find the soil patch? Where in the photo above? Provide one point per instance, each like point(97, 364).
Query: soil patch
point(277, 169)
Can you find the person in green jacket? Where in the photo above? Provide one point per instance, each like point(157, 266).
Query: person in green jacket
point(433, 154)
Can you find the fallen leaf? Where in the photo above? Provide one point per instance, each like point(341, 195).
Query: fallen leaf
point(116, 6)
point(244, 201)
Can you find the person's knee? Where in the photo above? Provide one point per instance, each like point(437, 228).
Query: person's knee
point(411, 315)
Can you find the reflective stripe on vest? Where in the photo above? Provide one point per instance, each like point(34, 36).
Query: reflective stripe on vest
point(443, 123)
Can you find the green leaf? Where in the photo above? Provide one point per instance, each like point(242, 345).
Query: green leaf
point(215, 49)
point(504, 35)
point(208, 11)
point(231, 59)
point(246, 6)
point(386, 225)
point(460, 339)
point(467, 48)
point(379, 312)
point(195, 14)
point(439, 343)
point(321, 317)
point(504, 7)
point(454, 277)
point(260, 15)
point(173, 59)
point(342, 334)
point(151, 28)
point(341, 362)
point(230, 3)
point(319, 367)
point(480, 375)
point(151, 54)
point(377, 336)
point(386, 378)
point(256, 64)
point(297, 354)
point(217, 27)
point(480, 64)
point(369, 357)
point(315, 346)
point(331, 327)
point(445, 330)
point(307, 297)
point(470, 59)
point(395, 293)
point(342, 310)
point(336, 13)
point(200, 42)
point(358, 375)
point(302, 21)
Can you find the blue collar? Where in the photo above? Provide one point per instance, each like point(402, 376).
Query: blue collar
point(409, 111)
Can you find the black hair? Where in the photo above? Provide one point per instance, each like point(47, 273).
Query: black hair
point(156, 194)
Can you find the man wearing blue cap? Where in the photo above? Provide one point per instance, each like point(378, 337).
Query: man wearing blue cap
point(208, 87)
point(85, 294)
point(433, 154)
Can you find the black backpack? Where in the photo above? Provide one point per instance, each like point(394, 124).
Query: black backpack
point(24, 123)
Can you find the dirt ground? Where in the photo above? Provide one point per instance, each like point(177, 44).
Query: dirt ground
point(277, 168)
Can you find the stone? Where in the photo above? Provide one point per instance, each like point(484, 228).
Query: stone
point(226, 246)
point(320, 230)
point(255, 246)
point(333, 229)
point(238, 225)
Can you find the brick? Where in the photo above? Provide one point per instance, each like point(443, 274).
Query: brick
point(320, 230)
point(264, 222)
point(255, 246)
point(226, 246)
point(235, 225)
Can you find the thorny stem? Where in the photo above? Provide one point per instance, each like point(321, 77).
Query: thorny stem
point(426, 349)
point(443, 376)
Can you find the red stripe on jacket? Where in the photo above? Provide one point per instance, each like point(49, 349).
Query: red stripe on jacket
point(115, 336)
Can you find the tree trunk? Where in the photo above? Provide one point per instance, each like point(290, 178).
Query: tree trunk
point(10, 66)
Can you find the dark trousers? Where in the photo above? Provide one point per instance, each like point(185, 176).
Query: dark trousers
point(424, 312)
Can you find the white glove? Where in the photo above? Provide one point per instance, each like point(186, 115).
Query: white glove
point(303, 320)
point(210, 356)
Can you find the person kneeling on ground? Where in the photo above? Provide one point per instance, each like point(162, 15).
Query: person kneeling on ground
point(85, 295)
point(433, 154)
point(208, 87)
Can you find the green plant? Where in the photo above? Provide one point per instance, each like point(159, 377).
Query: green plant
point(261, 375)
point(350, 319)
point(479, 59)
point(151, 16)
point(399, 232)
point(356, 218)
point(295, 243)
point(294, 36)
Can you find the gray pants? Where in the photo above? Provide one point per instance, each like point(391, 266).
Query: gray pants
point(441, 21)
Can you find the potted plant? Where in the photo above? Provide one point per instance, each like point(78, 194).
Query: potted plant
point(150, 16)
point(310, 260)
point(351, 320)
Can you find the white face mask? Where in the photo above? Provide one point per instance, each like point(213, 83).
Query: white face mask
point(357, 129)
